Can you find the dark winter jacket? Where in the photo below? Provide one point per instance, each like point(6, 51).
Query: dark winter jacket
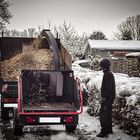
point(108, 85)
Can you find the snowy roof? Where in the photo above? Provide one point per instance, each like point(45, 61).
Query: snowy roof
point(134, 54)
point(121, 45)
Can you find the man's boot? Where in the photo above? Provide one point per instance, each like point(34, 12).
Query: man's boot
point(102, 134)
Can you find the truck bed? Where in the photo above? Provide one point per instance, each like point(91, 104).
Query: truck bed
point(44, 90)
point(49, 107)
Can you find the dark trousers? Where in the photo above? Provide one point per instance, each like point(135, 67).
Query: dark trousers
point(106, 116)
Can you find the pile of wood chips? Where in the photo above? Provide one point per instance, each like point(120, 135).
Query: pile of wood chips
point(34, 59)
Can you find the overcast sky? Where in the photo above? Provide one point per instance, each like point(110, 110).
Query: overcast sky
point(85, 15)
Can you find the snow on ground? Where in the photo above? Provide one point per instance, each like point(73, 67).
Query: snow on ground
point(91, 127)
point(87, 129)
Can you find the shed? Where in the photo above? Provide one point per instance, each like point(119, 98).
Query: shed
point(116, 50)
point(107, 47)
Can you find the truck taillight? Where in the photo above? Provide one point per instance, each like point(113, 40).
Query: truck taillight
point(8, 100)
point(30, 119)
point(68, 119)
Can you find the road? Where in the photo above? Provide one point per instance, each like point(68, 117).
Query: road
point(34, 133)
point(86, 130)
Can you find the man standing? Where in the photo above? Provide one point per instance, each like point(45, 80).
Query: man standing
point(107, 98)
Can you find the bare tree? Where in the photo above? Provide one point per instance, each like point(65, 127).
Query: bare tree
point(31, 32)
point(129, 29)
point(15, 33)
point(7, 33)
point(98, 35)
point(5, 15)
point(24, 33)
point(49, 24)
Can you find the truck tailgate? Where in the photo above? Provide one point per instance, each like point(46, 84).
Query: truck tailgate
point(49, 107)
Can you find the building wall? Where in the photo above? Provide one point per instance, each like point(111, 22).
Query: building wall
point(119, 65)
point(134, 67)
point(130, 66)
point(10, 46)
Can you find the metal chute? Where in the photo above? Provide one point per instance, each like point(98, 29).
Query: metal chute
point(53, 46)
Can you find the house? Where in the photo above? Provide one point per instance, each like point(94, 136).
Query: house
point(116, 51)
point(105, 48)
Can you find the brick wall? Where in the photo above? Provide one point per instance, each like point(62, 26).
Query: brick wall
point(130, 66)
point(133, 67)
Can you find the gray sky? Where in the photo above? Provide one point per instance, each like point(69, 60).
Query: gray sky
point(85, 15)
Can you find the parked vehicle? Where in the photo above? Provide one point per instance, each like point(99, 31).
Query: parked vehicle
point(44, 97)
point(8, 98)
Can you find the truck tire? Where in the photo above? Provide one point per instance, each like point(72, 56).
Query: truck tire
point(4, 114)
point(70, 128)
point(17, 127)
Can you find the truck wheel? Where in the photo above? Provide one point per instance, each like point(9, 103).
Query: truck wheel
point(70, 128)
point(17, 127)
point(4, 114)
